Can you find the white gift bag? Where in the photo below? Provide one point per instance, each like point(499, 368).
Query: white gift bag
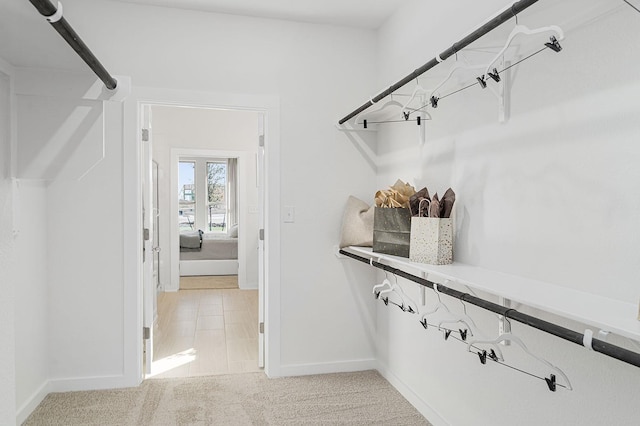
point(431, 238)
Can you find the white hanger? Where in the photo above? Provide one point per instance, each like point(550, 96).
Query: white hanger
point(521, 29)
point(418, 90)
point(395, 288)
point(459, 64)
point(382, 112)
point(453, 318)
point(515, 339)
point(438, 306)
point(464, 318)
point(384, 283)
point(473, 330)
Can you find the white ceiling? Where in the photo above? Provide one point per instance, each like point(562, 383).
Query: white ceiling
point(369, 14)
point(26, 40)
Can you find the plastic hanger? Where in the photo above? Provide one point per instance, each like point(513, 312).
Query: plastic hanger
point(459, 64)
point(437, 307)
point(517, 30)
point(384, 283)
point(418, 90)
point(456, 318)
point(383, 112)
point(378, 294)
point(515, 339)
point(407, 307)
point(442, 308)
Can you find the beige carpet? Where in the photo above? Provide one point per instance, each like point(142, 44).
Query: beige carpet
point(363, 398)
point(214, 282)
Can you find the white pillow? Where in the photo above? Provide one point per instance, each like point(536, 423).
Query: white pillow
point(233, 231)
point(357, 224)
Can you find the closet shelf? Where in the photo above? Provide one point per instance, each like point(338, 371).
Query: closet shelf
point(596, 311)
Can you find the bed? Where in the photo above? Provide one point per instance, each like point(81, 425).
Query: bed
point(208, 254)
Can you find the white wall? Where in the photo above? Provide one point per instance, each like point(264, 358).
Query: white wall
point(209, 129)
point(547, 195)
point(32, 310)
point(319, 73)
point(83, 215)
point(7, 253)
point(23, 240)
point(314, 70)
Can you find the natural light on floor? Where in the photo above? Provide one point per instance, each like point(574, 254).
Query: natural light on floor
point(172, 361)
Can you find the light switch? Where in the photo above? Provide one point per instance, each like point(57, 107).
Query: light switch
point(289, 214)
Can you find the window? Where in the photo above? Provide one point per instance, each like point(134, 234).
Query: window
point(206, 194)
point(217, 196)
point(187, 195)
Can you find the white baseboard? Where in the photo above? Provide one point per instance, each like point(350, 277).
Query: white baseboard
point(90, 383)
point(328, 367)
point(248, 286)
point(414, 399)
point(27, 408)
point(69, 385)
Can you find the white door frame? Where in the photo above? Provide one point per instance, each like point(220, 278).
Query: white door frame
point(149, 290)
point(132, 202)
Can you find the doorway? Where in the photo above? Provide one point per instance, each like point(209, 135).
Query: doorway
point(197, 321)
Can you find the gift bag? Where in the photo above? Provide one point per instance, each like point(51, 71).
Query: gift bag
point(431, 240)
point(391, 228)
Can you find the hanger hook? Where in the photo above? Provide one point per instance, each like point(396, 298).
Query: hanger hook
point(515, 14)
point(464, 307)
point(435, 288)
point(508, 320)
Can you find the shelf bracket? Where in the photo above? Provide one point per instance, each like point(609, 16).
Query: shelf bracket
point(504, 326)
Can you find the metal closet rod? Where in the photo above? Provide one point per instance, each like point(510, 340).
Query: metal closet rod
point(515, 8)
point(57, 21)
point(603, 347)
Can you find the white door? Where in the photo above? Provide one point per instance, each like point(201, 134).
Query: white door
point(148, 217)
point(261, 263)
point(155, 235)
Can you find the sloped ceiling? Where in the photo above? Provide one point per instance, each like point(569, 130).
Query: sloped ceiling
point(27, 40)
point(369, 14)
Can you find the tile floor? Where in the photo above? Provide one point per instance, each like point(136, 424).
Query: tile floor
point(205, 332)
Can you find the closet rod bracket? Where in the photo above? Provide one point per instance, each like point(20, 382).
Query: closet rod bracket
point(504, 326)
